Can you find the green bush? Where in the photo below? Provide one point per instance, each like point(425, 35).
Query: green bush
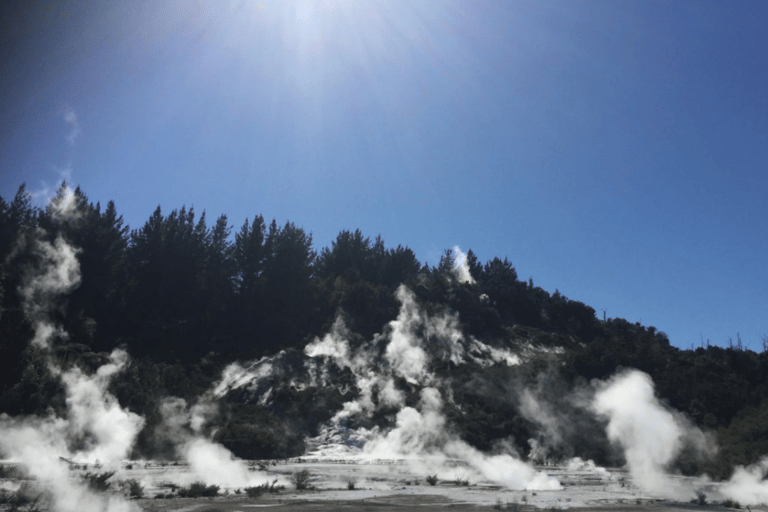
point(432, 480)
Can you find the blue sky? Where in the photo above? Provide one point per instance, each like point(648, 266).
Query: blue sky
point(615, 151)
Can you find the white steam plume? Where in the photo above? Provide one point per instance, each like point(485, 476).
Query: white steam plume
point(63, 206)
point(95, 426)
point(109, 430)
point(215, 465)
point(95, 429)
point(421, 435)
point(70, 117)
point(235, 376)
point(38, 446)
point(542, 414)
point(57, 272)
point(650, 434)
point(748, 485)
point(423, 439)
point(209, 462)
point(333, 345)
point(404, 351)
point(461, 266)
point(402, 346)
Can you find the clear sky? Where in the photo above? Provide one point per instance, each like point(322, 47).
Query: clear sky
point(615, 151)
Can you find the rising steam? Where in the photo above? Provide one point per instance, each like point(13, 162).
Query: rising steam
point(55, 273)
point(209, 462)
point(95, 429)
point(461, 266)
point(650, 434)
point(748, 485)
point(421, 435)
point(425, 441)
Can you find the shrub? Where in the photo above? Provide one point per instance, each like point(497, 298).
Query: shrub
point(731, 504)
point(258, 490)
point(254, 491)
point(134, 487)
point(432, 480)
point(701, 498)
point(23, 496)
point(300, 479)
point(351, 485)
point(462, 482)
point(199, 490)
point(98, 481)
point(13, 472)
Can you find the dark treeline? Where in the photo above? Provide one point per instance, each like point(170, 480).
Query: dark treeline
point(185, 297)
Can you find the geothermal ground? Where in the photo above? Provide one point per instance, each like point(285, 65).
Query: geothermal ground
point(389, 485)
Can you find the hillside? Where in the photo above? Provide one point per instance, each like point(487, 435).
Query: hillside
point(272, 349)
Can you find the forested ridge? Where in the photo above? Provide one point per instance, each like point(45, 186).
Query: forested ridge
point(185, 296)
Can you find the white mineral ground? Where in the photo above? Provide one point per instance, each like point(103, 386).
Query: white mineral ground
point(392, 484)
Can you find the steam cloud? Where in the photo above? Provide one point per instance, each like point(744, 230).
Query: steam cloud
point(650, 434)
point(748, 485)
point(423, 438)
point(209, 462)
point(70, 117)
point(57, 272)
point(461, 266)
point(95, 429)
point(420, 435)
